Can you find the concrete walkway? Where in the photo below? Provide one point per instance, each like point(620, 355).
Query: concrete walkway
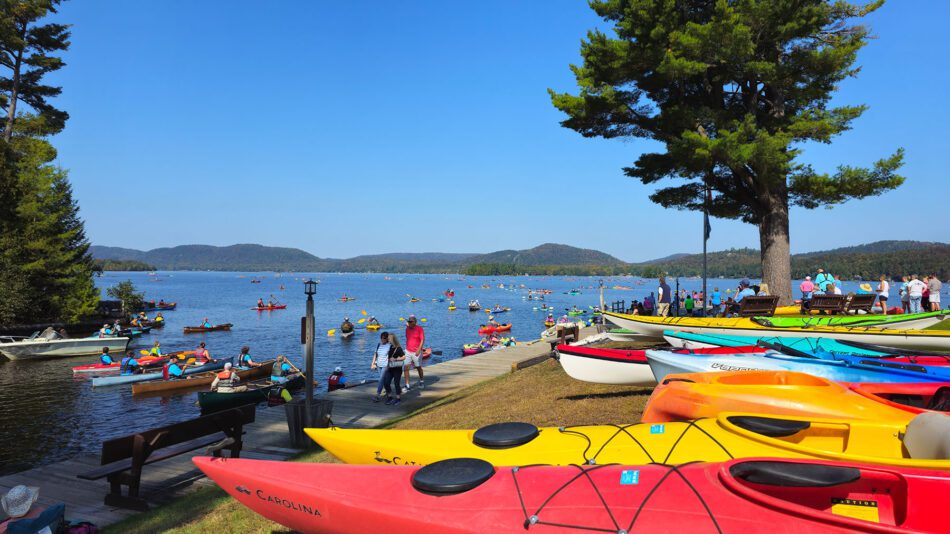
point(268, 438)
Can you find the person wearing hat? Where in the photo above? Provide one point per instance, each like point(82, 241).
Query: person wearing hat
point(492, 321)
point(336, 380)
point(18, 503)
point(415, 340)
point(807, 287)
point(227, 381)
point(865, 289)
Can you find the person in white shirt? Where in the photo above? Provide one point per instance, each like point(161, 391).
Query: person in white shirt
point(883, 292)
point(915, 290)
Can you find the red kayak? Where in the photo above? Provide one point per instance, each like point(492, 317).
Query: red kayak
point(492, 329)
point(268, 308)
point(915, 398)
point(747, 496)
point(145, 361)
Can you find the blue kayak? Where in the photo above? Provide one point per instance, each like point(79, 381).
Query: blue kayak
point(113, 380)
point(663, 363)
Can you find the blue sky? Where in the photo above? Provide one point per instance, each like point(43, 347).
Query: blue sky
point(348, 128)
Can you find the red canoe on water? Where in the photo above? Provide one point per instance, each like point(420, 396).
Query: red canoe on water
point(747, 496)
point(144, 361)
point(268, 308)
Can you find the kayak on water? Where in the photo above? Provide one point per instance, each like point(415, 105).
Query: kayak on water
point(199, 379)
point(145, 362)
point(473, 348)
point(760, 496)
point(689, 396)
point(98, 381)
point(549, 324)
point(730, 435)
point(267, 308)
point(492, 329)
point(198, 329)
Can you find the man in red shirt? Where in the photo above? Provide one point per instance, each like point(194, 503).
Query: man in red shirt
point(415, 339)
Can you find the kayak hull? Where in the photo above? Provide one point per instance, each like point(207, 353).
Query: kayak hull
point(198, 380)
point(606, 366)
point(492, 329)
point(730, 435)
point(262, 391)
point(741, 496)
point(913, 398)
point(684, 397)
point(269, 308)
point(100, 381)
point(200, 329)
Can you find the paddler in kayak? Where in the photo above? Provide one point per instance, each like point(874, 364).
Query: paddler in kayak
point(227, 381)
point(260, 303)
point(156, 349)
point(372, 321)
point(336, 380)
point(492, 321)
point(158, 318)
point(205, 323)
point(244, 359)
point(129, 364)
point(105, 331)
point(202, 355)
point(104, 358)
point(347, 326)
point(173, 370)
point(282, 368)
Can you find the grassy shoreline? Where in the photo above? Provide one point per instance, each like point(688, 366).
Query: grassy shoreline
point(555, 399)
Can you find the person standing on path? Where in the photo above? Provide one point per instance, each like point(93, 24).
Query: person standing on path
point(915, 290)
point(381, 362)
point(935, 286)
point(883, 291)
point(415, 339)
point(663, 298)
point(393, 372)
point(905, 296)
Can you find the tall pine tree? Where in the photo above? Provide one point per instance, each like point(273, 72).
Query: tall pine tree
point(46, 272)
point(732, 89)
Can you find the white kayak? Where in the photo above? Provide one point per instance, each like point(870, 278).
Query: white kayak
point(606, 366)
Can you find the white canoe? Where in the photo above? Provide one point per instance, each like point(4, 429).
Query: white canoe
point(606, 366)
point(42, 347)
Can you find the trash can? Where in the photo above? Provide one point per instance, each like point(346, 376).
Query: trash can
point(296, 420)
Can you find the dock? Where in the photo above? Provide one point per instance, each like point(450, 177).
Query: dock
point(268, 437)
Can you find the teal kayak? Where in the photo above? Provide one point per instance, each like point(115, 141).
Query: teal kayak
point(814, 345)
point(114, 380)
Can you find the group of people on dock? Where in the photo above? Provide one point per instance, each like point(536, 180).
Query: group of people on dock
point(391, 361)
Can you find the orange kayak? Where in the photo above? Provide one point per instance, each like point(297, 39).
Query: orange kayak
point(688, 396)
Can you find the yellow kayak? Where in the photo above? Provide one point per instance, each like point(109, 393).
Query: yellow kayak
point(731, 435)
point(688, 396)
point(373, 326)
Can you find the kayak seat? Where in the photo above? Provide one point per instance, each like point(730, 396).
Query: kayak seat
point(505, 435)
point(794, 475)
point(928, 436)
point(940, 402)
point(768, 426)
point(453, 476)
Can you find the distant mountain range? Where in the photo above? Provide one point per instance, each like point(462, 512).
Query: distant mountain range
point(261, 258)
point(867, 261)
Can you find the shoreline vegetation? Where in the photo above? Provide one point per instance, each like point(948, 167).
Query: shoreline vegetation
point(867, 261)
point(556, 400)
point(123, 265)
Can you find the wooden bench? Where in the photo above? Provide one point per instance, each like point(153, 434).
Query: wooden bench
point(123, 458)
point(825, 303)
point(755, 305)
point(860, 302)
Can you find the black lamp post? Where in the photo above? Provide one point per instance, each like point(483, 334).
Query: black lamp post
point(309, 289)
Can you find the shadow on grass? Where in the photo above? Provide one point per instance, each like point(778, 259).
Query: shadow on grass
point(609, 395)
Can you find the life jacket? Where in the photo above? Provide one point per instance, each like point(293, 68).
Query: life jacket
point(277, 370)
point(333, 382)
point(105, 359)
point(125, 365)
point(155, 351)
point(201, 355)
point(244, 359)
point(226, 379)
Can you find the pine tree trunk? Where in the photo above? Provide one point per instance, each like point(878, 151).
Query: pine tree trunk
point(775, 250)
point(14, 96)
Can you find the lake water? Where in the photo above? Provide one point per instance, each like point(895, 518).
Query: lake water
point(48, 415)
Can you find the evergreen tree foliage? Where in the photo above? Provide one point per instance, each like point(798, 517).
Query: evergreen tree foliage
point(45, 266)
point(125, 292)
point(731, 89)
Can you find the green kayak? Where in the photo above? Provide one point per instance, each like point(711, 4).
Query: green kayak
point(257, 392)
point(907, 321)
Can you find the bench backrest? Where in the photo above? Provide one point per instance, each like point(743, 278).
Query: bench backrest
point(861, 302)
point(758, 305)
point(827, 302)
point(121, 448)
